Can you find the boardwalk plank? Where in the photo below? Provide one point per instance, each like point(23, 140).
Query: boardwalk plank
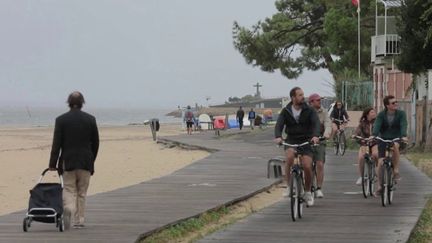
point(339, 217)
point(236, 170)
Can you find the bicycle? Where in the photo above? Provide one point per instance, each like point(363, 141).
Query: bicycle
point(297, 183)
point(387, 177)
point(368, 175)
point(340, 138)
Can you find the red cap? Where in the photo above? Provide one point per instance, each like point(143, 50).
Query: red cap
point(314, 96)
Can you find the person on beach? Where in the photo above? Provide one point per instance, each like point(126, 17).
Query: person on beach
point(320, 150)
point(240, 116)
point(301, 124)
point(364, 130)
point(189, 119)
point(74, 150)
point(251, 118)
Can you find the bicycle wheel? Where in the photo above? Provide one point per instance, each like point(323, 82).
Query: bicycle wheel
point(342, 143)
point(372, 178)
point(365, 179)
point(390, 184)
point(294, 197)
point(336, 143)
point(300, 196)
point(384, 185)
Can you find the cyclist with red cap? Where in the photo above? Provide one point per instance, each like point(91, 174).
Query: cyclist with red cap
point(319, 152)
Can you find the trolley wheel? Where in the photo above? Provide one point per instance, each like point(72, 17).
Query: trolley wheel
point(61, 224)
point(26, 224)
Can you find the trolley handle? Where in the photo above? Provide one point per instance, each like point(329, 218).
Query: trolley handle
point(47, 169)
point(58, 172)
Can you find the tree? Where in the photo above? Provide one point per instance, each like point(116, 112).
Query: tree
point(416, 35)
point(308, 34)
point(416, 52)
point(234, 99)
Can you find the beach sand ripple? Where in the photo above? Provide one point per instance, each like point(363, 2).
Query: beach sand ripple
point(127, 156)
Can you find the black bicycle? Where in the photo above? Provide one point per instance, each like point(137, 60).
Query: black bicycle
point(368, 175)
point(387, 176)
point(339, 138)
point(297, 183)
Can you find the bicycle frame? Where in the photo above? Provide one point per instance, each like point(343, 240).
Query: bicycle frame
point(297, 183)
point(368, 175)
point(387, 183)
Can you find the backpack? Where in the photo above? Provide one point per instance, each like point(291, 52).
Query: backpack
point(189, 116)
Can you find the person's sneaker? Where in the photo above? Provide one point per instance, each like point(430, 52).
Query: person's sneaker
point(397, 177)
point(378, 192)
point(287, 192)
point(78, 226)
point(359, 181)
point(319, 194)
point(309, 199)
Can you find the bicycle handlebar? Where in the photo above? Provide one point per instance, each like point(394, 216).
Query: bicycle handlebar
point(341, 121)
point(296, 145)
point(364, 139)
point(302, 144)
point(390, 141)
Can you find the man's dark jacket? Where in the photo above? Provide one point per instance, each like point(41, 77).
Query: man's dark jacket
point(76, 141)
point(240, 114)
point(307, 127)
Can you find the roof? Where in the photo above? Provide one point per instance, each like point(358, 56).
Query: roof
point(391, 3)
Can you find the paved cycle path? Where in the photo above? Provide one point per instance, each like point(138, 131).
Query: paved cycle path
point(344, 215)
point(235, 171)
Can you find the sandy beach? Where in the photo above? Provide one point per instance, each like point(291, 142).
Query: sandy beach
point(127, 156)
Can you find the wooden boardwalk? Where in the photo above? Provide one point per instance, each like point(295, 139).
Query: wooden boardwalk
point(237, 170)
point(342, 216)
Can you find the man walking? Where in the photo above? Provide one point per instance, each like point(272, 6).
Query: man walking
point(240, 116)
point(74, 150)
point(251, 117)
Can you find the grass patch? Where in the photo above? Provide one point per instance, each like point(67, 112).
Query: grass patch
point(187, 227)
point(422, 160)
point(423, 230)
point(194, 229)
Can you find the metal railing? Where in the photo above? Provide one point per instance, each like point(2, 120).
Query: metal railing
point(384, 45)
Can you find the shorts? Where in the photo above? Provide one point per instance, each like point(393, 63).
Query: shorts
point(305, 150)
point(319, 152)
point(382, 149)
point(189, 124)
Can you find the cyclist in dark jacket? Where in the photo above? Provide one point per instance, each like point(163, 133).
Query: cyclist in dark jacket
point(338, 113)
point(301, 124)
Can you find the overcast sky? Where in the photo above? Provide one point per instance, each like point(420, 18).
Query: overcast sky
point(133, 53)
